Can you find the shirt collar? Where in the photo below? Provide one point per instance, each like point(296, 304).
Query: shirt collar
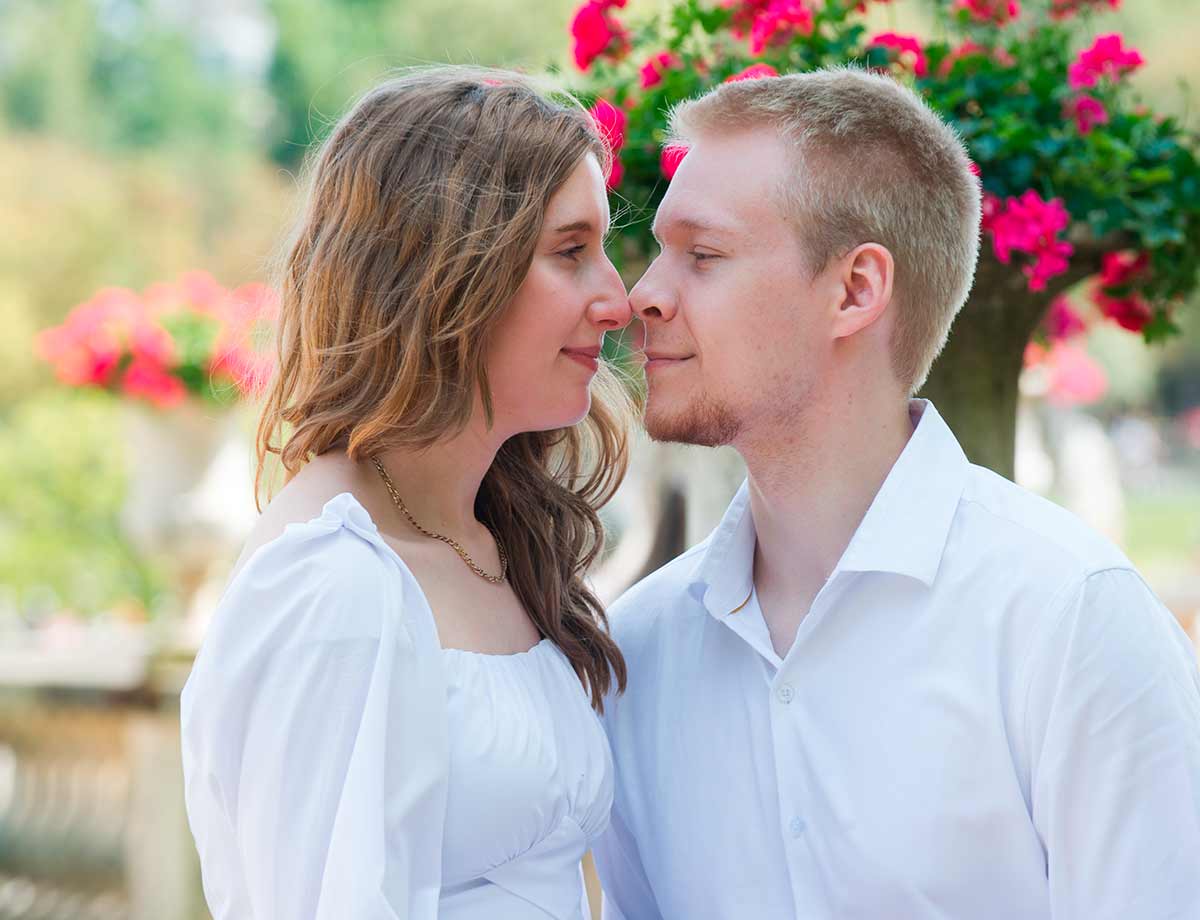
point(904, 531)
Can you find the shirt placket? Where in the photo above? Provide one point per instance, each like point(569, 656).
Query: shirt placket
point(793, 777)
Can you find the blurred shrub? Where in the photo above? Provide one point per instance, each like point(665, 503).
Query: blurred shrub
point(75, 221)
point(62, 482)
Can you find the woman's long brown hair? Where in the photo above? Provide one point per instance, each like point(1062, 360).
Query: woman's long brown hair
point(425, 208)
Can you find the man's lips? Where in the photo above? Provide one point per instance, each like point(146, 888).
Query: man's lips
point(658, 360)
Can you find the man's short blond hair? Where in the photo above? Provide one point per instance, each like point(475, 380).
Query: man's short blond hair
point(873, 163)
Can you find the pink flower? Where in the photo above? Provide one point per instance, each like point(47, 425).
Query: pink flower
point(753, 72)
point(1121, 268)
point(670, 158)
point(611, 122)
point(1087, 111)
point(145, 379)
point(995, 11)
point(972, 51)
point(86, 348)
point(247, 369)
point(1118, 271)
point(1106, 58)
point(904, 45)
point(770, 22)
point(254, 302)
point(1075, 377)
point(1062, 322)
point(975, 170)
point(1063, 9)
point(1029, 225)
point(1132, 313)
point(653, 69)
point(596, 33)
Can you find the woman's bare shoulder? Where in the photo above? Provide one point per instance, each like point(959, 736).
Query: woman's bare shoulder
point(302, 499)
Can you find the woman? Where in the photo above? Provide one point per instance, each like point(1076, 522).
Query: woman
point(393, 714)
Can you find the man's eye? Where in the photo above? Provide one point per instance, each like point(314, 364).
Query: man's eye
point(573, 252)
point(702, 256)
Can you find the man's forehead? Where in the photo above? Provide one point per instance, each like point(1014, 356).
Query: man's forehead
point(709, 192)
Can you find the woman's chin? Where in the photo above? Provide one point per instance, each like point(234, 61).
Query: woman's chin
point(563, 417)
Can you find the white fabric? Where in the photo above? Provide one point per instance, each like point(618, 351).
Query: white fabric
point(338, 763)
point(985, 715)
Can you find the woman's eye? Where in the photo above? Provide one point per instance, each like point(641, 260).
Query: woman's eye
point(573, 252)
point(702, 256)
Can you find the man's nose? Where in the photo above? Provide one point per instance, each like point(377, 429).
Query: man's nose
point(652, 298)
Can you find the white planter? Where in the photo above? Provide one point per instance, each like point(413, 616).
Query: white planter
point(168, 453)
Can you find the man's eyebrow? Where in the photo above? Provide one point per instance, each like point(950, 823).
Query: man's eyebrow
point(693, 224)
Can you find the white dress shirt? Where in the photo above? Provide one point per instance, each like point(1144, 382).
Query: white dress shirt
point(986, 715)
point(339, 764)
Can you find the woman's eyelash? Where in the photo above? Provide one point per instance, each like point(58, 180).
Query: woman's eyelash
point(702, 256)
point(573, 251)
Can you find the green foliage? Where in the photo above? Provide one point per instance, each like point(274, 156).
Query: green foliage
point(117, 74)
point(1130, 184)
point(60, 499)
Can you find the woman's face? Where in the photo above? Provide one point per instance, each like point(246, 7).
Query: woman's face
point(545, 349)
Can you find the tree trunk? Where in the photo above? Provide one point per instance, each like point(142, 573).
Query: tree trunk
point(973, 383)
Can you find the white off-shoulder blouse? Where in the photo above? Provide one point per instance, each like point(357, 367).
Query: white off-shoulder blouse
point(338, 763)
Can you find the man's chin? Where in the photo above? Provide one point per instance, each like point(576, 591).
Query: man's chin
point(704, 425)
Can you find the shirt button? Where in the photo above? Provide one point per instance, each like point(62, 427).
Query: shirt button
point(797, 826)
point(786, 693)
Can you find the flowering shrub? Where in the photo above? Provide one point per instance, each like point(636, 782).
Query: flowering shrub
point(191, 337)
point(1080, 181)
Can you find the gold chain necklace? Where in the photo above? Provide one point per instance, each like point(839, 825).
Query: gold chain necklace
point(453, 544)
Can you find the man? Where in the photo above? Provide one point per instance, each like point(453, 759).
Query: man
point(890, 684)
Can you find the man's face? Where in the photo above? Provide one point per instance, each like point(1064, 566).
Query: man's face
point(734, 325)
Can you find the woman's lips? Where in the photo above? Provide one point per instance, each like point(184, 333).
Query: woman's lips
point(588, 357)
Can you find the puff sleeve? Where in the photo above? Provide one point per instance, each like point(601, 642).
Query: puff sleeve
point(313, 733)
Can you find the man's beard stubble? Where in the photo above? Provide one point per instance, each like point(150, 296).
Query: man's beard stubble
point(704, 422)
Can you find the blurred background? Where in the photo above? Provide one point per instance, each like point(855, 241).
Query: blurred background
point(149, 153)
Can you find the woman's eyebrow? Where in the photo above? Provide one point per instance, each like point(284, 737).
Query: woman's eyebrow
point(574, 226)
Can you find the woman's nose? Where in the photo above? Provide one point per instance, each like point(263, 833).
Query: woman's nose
point(611, 310)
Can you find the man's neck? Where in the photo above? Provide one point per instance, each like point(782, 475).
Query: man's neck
point(810, 488)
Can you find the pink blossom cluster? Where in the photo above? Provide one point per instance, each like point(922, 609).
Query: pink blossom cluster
point(1062, 321)
point(611, 122)
point(595, 32)
point(658, 64)
point(1088, 112)
point(1119, 270)
point(1107, 57)
point(1063, 9)
point(121, 341)
point(672, 155)
point(907, 50)
point(770, 22)
point(998, 12)
point(969, 50)
point(753, 72)
point(1073, 377)
point(1032, 226)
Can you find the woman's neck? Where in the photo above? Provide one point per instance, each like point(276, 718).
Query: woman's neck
point(439, 484)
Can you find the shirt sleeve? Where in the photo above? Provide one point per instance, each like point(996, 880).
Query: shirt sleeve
point(1113, 728)
point(314, 741)
point(627, 892)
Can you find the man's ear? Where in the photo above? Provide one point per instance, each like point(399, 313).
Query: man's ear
point(865, 288)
